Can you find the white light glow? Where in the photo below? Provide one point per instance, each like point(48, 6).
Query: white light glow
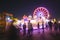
point(30, 16)
point(58, 21)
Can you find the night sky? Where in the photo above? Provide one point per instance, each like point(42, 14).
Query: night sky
point(19, 8)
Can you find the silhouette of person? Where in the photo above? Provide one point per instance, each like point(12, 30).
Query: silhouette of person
point(59, 26)
point(12, 32)
point(24, 28)
point(30, 28)
point(38, 25)
point(50, 25)
point(55, 26)
point(43, 26)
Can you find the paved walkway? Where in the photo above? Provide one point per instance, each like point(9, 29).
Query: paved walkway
point(38, 34)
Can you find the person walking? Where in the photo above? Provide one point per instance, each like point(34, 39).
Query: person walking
point(38, 25)
point(12, 32)
point(30, 28)
point(24, 28)
point(50, 25)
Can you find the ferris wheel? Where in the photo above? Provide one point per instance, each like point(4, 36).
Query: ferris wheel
point(41, 12)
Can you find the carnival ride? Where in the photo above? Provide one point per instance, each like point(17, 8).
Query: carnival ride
point(40, 15)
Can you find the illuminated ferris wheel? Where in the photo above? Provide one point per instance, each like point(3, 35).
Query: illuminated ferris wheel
point(41, 12)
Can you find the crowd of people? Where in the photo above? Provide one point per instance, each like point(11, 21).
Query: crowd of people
point(50, 25)
point(13, 30)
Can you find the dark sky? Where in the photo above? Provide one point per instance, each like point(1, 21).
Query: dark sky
point(19, 8)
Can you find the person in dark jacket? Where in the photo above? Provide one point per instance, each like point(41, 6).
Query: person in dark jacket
point(50, 25)
point(38, 25)
point(30, 28)
point(12, 32)
point(56, 26)
point(24, 28)
point(43, 25)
